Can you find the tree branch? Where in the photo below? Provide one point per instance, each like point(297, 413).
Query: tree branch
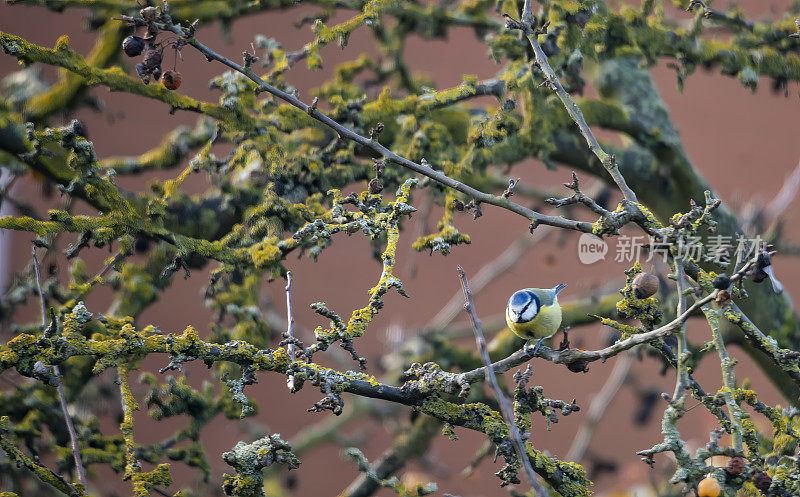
point(608, 161)
point(505, 406)
point(62, 399)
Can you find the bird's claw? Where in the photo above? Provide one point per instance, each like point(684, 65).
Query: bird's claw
point(533, 351)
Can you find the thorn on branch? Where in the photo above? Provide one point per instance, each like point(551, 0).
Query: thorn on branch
point(348, 346)
point(191, 29)
point(578, 197)
point(249, 58)
point(296, 342)
point(475, 207)
point(313, 107)
point(376, 131)
point(510, 190)
point(564, 343)
point(331, 402)
point(83, 241)
point(796, 35)
point(543, 29)
point(177, 263)
point(547, 82)
point(512, 23)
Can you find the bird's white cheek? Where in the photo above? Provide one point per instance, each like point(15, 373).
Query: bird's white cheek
point(529, 314)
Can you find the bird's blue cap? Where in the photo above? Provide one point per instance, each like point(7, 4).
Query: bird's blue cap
point(520, 299)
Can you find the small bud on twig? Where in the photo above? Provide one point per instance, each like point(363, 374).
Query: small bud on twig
point(313, 106)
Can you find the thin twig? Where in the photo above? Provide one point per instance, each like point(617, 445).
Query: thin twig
point(484, 451)
point(683, 352)
point(478, 196)
point(570, 356)
point(290, 348)
point(423, 228)
point(410, 443)
point(492, 270)
point(578, 198)
point(728, 377)
point(505, 406)
point(571, 106)
point(784, 198)
point(117, 257)
point(721, 17)
point(39, 287)
point(73, 436)
point(488, 273)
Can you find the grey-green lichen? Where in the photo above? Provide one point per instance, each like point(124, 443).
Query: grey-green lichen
point(393, 483)
point(250, 459)
point(274, 183)
point(646, 310)
point(568, 478)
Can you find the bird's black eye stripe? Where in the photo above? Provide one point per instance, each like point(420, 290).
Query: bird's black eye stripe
point(533, 299)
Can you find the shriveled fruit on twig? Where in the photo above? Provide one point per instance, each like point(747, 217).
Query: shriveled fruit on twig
point(132, 45)
point(645, 285)
point(171, 79)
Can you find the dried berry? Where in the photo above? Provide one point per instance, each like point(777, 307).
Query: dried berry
point(375, 186)
point(132, 45)
point(708, 487)
point(458, 205)
point(578, 366)
point(172, 79)
point(762, 481)
point(736, 465)
point(149, 14)
point(645, 285)
point(723, 297)
point(721, 282)
point(156, 72)
point(152, 58)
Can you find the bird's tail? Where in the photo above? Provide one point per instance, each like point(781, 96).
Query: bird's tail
point(558, 288)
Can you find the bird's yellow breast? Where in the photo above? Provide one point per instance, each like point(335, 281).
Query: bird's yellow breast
point(546, 322)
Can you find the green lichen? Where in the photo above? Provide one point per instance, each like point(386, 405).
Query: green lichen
point(647, 310)
point(249, 460)
point(266, 199)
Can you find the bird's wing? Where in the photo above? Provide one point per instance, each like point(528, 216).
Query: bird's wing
point(545, 296)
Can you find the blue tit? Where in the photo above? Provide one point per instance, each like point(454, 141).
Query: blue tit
point(534, 312)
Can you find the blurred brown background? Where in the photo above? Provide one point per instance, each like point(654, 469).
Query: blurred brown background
point(745, 144)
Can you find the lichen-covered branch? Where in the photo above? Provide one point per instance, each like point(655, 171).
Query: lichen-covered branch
point(376, 126)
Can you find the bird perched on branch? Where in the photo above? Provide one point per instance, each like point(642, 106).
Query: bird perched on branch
point(534, 312)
